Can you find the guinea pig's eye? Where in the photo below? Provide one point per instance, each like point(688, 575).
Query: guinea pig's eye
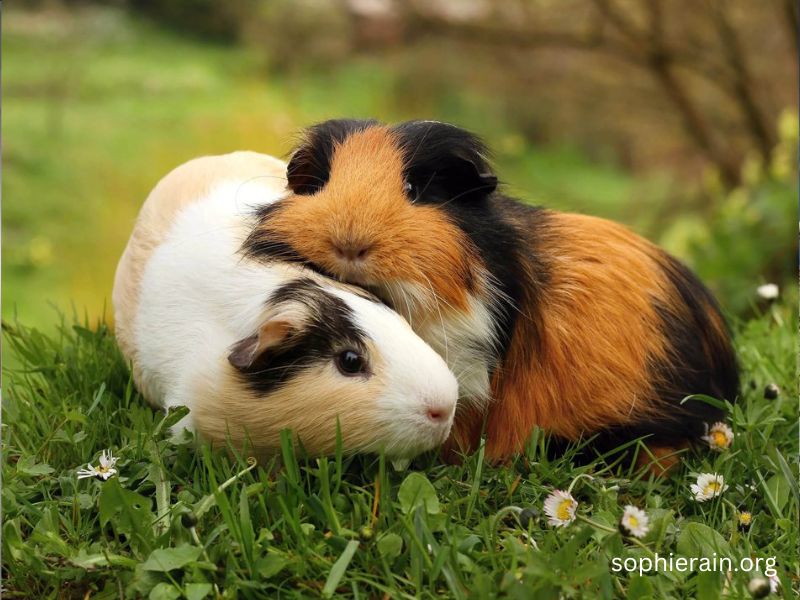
point(350, 363)
point(410, 189)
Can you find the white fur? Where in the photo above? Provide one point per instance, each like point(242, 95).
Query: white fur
point(199, 296)
point(466, 340)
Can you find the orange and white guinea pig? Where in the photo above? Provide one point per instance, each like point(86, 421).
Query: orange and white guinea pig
point(254, 348)
point(567, 322)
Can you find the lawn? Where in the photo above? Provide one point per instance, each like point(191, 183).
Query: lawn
point(90, 130)
point(181, 521)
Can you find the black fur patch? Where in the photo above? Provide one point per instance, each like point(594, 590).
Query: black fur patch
point(261, 244)
point(444, 163)
point(330, 330)
point(309, 168)
point(702, 359)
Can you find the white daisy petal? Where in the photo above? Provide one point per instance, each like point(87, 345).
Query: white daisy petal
point(560, 508)
point(104, 470)
point(709, 485)
point(107, 473)
point(635, 521)
point(84, 473)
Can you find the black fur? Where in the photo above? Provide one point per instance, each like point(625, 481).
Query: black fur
point(444, 162)
point(259, 244)
point(701, 360)
point(329, 331)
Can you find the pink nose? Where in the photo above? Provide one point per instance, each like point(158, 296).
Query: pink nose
point(351, 251)
point(439, 413)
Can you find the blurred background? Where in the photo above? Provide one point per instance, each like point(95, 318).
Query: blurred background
point(677, 117)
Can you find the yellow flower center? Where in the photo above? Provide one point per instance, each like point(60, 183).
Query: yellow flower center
point(720, 439)
point(563, 510)
point(745, 518)
point(712, 488)
point(102, 469)
point(633, 521)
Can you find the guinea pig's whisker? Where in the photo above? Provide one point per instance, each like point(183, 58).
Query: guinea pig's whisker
point(409, 316)
point(322, 180)
point(408, 306)
point(422, 139)
point(281, 368)
point(425, 187)
point(250, 180)
point(464, 193)
point(441, 318)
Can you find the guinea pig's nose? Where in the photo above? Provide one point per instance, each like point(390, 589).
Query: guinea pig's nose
point(351, 251)
point(438, 412)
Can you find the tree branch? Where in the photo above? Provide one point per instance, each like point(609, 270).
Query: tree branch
point(742, 87)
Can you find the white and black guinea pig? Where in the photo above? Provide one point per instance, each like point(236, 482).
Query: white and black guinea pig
point(567, 322)
point(254, 348)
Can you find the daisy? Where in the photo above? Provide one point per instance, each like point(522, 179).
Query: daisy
point(104, 470)
point(719, 436)
point(560, 507)
point(635, 521)
point(768, 291)
point(744, 519)
point(709, 485)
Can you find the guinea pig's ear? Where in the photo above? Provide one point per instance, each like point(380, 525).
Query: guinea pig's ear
point(465, 177)
point(278, 332)
point(304, 173)
point(445, 162)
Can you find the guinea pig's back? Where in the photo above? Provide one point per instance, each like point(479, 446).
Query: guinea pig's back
point(190, 203)
point(621, 329)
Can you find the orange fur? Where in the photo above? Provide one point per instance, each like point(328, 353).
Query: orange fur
point(599, 331)
point(422, 247)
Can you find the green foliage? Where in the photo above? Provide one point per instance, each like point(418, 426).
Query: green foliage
point(206, 19)
point(747, 236)
point(181, 521)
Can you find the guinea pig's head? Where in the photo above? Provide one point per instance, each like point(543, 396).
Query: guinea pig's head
point(325, 356)
point(383, 206)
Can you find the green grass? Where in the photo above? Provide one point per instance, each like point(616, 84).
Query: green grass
point(181, 521)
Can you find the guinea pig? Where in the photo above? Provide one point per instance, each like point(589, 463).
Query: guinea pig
point(253, 348)
point(563, 321)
